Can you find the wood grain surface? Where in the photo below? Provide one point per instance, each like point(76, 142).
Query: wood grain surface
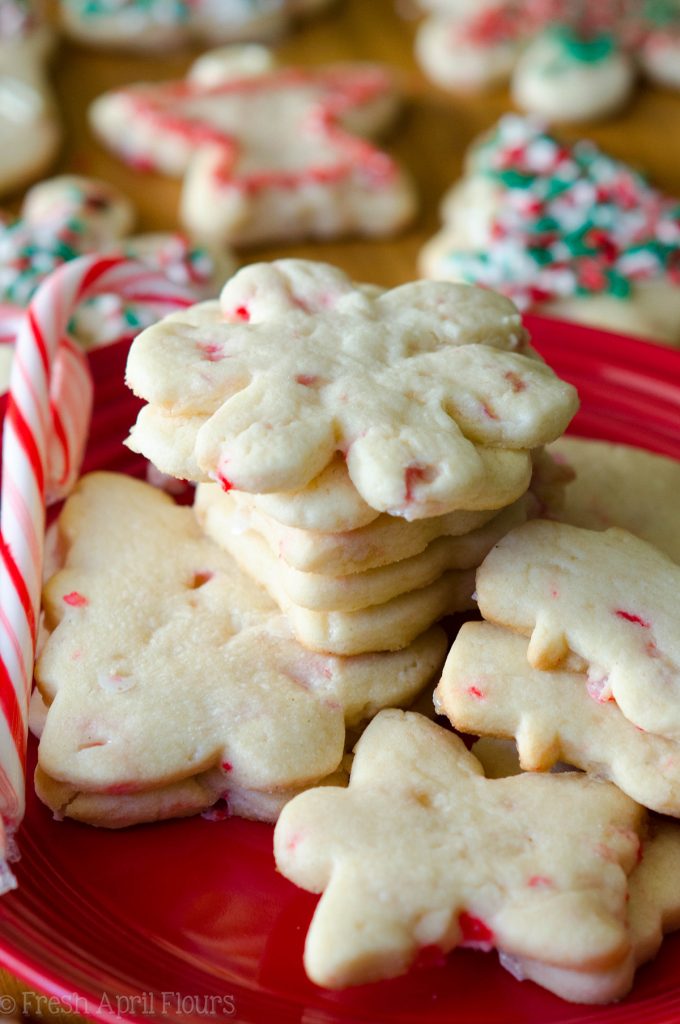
point(430, 137)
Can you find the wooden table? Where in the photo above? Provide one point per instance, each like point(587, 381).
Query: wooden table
point(430, 139)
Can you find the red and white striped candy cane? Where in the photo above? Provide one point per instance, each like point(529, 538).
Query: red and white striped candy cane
point(47, 421)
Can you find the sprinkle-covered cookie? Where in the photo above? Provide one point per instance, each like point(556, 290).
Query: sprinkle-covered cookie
point(155, 25)
point(70, 216)
point(563, 230)
point(266, 154)
point(566, 60)
point(296, 363)
point(161, 671)
point(607, 597)
point(548, 884)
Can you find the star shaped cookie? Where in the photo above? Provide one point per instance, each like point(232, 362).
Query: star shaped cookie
point(266, 154)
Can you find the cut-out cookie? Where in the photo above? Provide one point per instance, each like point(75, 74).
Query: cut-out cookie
point(566, 61)
point(155, 25)
point(616, 485)
point(387, 626)
point(223, 522)
point(653, 911)
point(334, 554)
point(138, 638)
point(29, 129)
point(608, 597)
point(461, 877)
point(266, 155)
point(296, 363)
point(204, 794)
point(566, 231)
point(330, 503)
point(488, 687)
point(70, 216)
point(653, 905)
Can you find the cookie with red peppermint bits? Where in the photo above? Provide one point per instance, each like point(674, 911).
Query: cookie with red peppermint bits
point(606, 597)
point(653, 904)
point(29, 127)
point(70, 216)
point(468, 874)
point(179, 675)
point(565, 231)
point(329, 503)
point(226, 522)
point(155, 25)
point(618, 485)
point(488, 687)
point(296, 364)
point(566, 60)
point(266, 154)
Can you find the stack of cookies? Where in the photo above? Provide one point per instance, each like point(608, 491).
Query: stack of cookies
point(367, 448)
point(358, 453)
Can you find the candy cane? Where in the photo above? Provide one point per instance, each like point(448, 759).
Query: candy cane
point(46, 421)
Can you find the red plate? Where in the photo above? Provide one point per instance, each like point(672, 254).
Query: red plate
point(188, 920)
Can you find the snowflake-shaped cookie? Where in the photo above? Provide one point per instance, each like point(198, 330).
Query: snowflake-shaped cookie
point(297, 362)
point(422, 851)
point(489, 688)
point(608, 598)
point(567, 59)
point(156, 24)
point(565, 230)
point(267, 154)
point(165, 664)
point(71, 216)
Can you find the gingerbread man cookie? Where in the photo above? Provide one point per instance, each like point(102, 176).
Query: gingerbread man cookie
point(296, 363)
point(155, 25)
point(488, 687)
point(266, 154)
point(138, 637)
point(607, 598)
point(29, 129)
point(549, 885)
point(566, 60)
point(70, 216)
point(566, 231)
point(653, 905)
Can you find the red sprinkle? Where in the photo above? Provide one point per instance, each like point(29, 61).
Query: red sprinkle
point(474, 930)
point(242, 313)
point(224, 483)
point(227, 766)
point(476, 692)
point(75, 599)
point(630, 617)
